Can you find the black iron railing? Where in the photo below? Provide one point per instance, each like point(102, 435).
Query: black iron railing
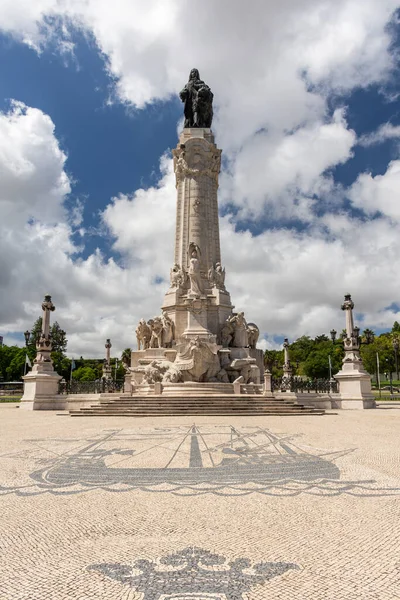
point(301, 386)
point(100, 386)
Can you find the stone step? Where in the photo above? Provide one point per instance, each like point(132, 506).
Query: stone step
point(190, 413)
point(202, 400)
point(156, 410)
point(198, 389)
point(171, 405)
point(194, 408)
point(225, 404)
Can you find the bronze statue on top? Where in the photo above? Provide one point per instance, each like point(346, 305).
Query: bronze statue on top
point(198, 99)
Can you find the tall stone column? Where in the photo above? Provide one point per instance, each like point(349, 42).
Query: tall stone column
point(354, 381)
point(197, 300)
point(287, 369)
point(41, 384)
point(107, 372)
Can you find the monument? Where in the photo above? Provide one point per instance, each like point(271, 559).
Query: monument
point(41, 384)
point(199, 346)
point(198, 338)
point(354, 381)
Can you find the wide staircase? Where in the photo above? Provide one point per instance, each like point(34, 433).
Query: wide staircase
point(208, 405)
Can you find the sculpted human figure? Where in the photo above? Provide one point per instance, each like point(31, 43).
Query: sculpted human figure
point(194, 275)
point(240, 337)
point(168, 330)
point(143, 335)
point(156, 326)
point(197, 98)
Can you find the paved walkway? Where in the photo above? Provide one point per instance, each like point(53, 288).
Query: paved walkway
point(216, 509)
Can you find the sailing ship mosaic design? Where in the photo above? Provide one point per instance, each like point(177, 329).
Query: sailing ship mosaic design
point(192, 460)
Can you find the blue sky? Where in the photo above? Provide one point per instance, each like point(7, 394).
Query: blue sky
point(308, 128)
point(77, 93)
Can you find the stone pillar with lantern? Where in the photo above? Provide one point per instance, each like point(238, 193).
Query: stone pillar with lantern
point(354, 381)
point(287, 368)
point(107, 371)
point(396, 344)
point(41, 383)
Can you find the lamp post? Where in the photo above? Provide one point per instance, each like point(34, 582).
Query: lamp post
point(396, 357)
point(389, 367)
point(27, 335)
point(116, 367)
point(369, 336)
point(333, 335)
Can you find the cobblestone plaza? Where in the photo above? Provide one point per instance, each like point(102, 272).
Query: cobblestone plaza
point(207, 508)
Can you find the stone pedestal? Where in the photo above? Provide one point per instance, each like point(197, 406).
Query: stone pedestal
point(196, 319)
point(355, 388)
point(41, 390)
point(267, 387)
point(128, 383)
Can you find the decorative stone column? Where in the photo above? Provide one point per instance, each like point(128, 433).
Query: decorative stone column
point(107, 371)
point(197, 301)
point(354, 381)
point(287, 369)
point(41, 384)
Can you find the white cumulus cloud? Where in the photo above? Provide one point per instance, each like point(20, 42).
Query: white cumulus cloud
point(272, 67)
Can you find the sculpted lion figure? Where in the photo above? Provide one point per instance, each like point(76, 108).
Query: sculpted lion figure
point(252, 334)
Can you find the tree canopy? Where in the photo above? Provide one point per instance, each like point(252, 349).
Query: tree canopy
point(310, 357)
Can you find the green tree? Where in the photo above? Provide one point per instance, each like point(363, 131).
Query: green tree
point(396, 327)
point(126, 356)
point(321, 339)
point(384, 347)
point(317, 364)
point(367, 336)
point(16, 364)
point(84, 374)
point(273, 360)
point(301, 348)
point(58, 340)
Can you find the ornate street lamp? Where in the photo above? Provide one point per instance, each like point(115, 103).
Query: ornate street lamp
point(333, 335)
point(389, 369)
point(396, 350)
point(27, 335)
point(369, 336)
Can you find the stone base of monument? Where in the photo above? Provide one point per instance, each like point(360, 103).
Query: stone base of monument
point(140, 358)
point(354, 389)
point(41, 392)
point(207, 405)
